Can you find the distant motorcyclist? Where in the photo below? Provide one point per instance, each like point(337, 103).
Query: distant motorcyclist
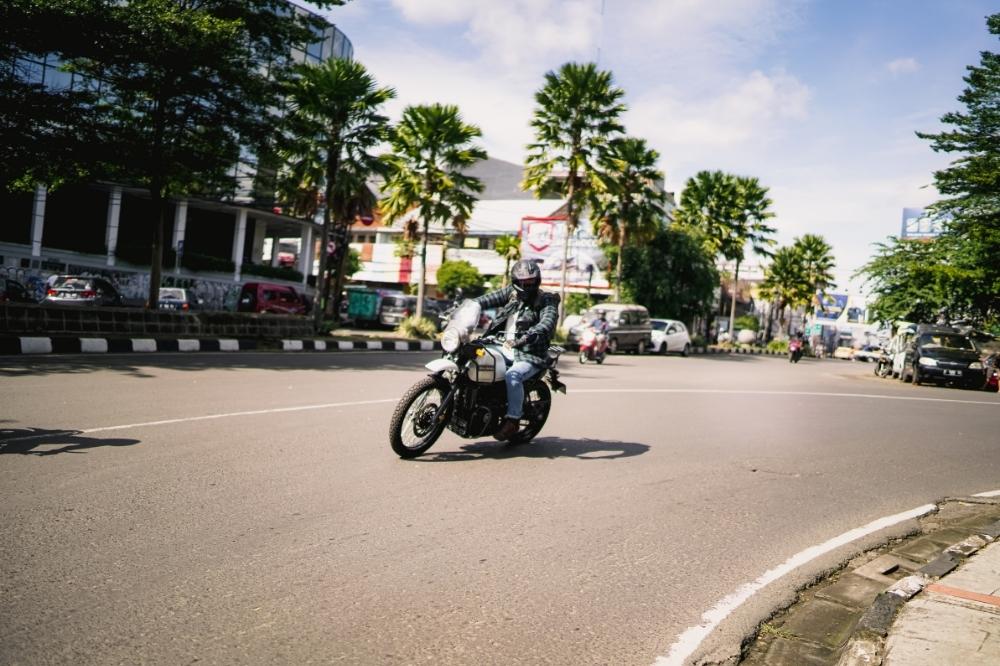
point(527, 318)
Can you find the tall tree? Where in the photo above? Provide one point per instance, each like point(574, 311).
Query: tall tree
point(672, 274)
point(816, 257)
point(431, 147)
point(627, 201)
point(508, 247)
point(730, 213)
point(785, 283)
point(333, 125)
point(577, 111)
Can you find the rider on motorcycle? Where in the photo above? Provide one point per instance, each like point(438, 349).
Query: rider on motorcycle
point(527, 316)
point(600, 326)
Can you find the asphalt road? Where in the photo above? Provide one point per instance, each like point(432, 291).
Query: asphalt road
point(246, 508)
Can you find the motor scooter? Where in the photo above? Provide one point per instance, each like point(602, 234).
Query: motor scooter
point(794, 350)
point(593, 347)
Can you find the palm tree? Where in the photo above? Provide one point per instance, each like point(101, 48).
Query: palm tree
point(817, 264)
point(729, 212)
point(784, 282)
point(333, 124)
point(628, 201)
point(508, 247)
point(432, 146)
point(577, 112)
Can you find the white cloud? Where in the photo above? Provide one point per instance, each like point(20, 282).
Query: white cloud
point(902, 66)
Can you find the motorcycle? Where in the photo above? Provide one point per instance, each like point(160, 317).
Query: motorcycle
point(794, 350)
point(592, 346)
point(466, 393)
point(883, 365)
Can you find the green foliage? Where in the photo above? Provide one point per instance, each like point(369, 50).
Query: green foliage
point(747, 321)
point(697, 340)
point(417, 327)
point(276, 272)
point(577, 111)
point(780, 346)
point(454, 275)
point(672, 275)
point(816, 258)
point(626, 198)
point(432, 148)
point(508, 247)
point(577, 303)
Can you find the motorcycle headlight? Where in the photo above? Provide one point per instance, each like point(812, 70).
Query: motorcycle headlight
point(929, 362)
point(975, 365)
point(451, 339)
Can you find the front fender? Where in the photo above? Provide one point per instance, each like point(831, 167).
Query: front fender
point(441, 365)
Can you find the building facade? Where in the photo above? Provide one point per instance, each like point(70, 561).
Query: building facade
point(107, 229)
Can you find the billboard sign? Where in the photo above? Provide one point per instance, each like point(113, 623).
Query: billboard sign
point(831, 305)
point(542, 240)
point(920, 223)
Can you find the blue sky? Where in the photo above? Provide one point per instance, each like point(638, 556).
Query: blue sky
point(817, 98)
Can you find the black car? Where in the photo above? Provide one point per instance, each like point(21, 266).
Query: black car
point(945, 356)
point(12, 291)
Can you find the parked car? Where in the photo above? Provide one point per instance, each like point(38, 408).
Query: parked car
point(942, 355)
point(271, 298)
point(670, 335)
point(175, 298)
point(12, 291)
point(397, 307)
point(897, 349)
point(629, 327)
point(82, 290)
point(867, 353)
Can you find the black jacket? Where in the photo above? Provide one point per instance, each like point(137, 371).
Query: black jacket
point(539, 316)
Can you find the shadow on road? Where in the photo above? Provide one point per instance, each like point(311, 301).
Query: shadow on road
point(543, 447)
point(41, 442)
point(139, 365)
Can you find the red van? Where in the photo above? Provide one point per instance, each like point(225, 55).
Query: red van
point(273, 298)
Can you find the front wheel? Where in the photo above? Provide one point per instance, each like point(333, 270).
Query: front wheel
point(413, 428)
point(686, 350)
point(583, 357)
point(537, 403)
point(613, 346)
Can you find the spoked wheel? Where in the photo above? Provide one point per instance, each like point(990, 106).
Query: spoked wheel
point(413, 428)
point(537, 402)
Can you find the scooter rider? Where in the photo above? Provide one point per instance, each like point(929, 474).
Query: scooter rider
point(527, 317)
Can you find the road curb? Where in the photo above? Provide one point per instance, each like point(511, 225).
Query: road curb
point(831, 624)
point(40, 345)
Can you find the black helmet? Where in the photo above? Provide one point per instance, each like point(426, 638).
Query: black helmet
point(526, 278)
point(601, 314)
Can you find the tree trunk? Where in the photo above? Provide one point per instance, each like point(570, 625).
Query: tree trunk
point(770, 321)
point(571, 222)
point(423, 271)
point(156, 260)
point(339, 278)
point(618, 268)
point(732, 309)
point(319, 307)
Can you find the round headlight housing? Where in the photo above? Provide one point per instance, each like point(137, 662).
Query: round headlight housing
point(451, 340)
point(929, 362)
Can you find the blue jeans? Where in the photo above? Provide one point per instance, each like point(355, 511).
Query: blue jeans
point(517, 374)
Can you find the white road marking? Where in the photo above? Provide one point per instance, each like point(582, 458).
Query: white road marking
point(692, 637)
point(206, 417)
point(876, 396)
point(989, 493)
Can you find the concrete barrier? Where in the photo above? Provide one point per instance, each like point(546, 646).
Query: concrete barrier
point(29, 319)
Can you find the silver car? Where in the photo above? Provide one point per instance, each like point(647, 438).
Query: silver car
point(82, 290)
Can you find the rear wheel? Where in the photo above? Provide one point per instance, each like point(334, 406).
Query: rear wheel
point(537, 403)
point(686, 350)
point(413, 428)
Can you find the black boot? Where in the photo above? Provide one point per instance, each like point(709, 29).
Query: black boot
point(507, 429)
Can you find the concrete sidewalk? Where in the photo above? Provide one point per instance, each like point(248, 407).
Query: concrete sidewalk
point(930, 599)
point(954, 621)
